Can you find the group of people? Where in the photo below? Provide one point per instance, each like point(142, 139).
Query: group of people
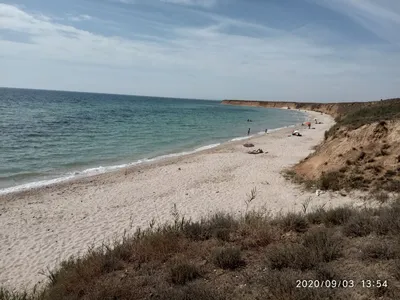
point(248, 131)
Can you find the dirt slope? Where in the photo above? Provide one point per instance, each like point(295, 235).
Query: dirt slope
point(364, 158)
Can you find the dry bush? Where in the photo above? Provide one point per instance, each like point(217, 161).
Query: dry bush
point(380, 249)
point(330, 181)
point(289, 255)
point(338, 216)
point(220, 225)
point(293, 222)
point(396, 269)
point(228, 258)
point(281, 284)
point(317, 216)
point(191, 292)
point(182, 273)
point(196, 231)
point(392, 186)
point(6, 294)
point(323, 244)
point(256, 230)
point(388, 221)
point(359, 224)
point(317, 246)
point(381, 196)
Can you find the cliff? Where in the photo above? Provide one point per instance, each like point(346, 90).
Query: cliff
point(362, 151)
point(333, 109)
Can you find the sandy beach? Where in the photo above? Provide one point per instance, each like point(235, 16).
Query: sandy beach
point(41, 227)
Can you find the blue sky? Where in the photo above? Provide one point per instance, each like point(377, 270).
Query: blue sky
point(300, 50)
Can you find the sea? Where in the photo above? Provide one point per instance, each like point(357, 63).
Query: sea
point(51, 136)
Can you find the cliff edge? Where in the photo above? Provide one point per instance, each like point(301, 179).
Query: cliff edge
point(333, 109)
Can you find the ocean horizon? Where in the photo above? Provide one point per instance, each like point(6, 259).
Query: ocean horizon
point(52, 136)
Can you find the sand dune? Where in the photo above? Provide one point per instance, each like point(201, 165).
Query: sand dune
point(41, 227)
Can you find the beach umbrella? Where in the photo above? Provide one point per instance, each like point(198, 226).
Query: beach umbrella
point(307, 123)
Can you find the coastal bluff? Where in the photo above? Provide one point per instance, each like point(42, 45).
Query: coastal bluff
point(333, 109)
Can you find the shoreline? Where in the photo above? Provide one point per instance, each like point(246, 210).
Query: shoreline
point(44, 226)
point(100, 170)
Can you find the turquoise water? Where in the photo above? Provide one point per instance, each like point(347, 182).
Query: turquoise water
point(51, 134)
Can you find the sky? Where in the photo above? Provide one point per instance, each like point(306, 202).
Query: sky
point(282, 50)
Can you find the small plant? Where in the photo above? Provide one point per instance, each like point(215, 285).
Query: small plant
point(305, 204)
point(250, 197)
point(326, 135)
point(228, 258)
point(182, 273)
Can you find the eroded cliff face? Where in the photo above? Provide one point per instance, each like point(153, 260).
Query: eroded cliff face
point(333, 109)
point(367, 157)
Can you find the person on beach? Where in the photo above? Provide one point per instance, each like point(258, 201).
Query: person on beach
point(296, 133)
point(266, 130)
point(248, 132)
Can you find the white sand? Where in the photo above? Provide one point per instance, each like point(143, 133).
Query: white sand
point(41, 227)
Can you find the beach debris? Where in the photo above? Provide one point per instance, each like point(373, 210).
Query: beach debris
point(179, 169)
point(258, 151)
point(248, 145)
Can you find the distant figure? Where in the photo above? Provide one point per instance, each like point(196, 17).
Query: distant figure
point(266, 130)
point(316, 121)
point(309, 125)
point(248, 120)
point(248, 132)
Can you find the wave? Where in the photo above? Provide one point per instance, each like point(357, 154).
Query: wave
point(101, 170)
point(98, 170)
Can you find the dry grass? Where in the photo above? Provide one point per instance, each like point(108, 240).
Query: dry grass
point(252, 257)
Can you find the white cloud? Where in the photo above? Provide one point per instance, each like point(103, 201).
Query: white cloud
point(380, 17)
point(202, 3)
point(200, 62)
point(80, 18)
